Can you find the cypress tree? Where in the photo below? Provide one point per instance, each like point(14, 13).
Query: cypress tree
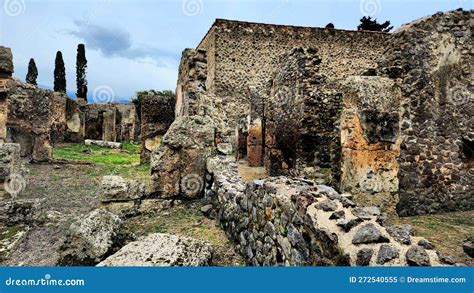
point(59, 74)
point(32, 72)
point(81, 66)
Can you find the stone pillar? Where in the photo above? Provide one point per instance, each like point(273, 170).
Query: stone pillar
point(255, 131)
point(108, 127)
point(6, 71)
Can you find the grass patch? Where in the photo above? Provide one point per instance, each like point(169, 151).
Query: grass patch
point(97, 154)
point(446, 231)
point(131, 147)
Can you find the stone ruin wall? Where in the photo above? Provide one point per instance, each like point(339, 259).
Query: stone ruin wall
point(28, 121)
point(191, 82)
point(432, 60)
point(282, 221)
point(113, 122)
point(157, 114)
point(370, 140)
point(242, 55)
point(9, 152)
point(301, 116)
point(67, 119)
point(388, 125)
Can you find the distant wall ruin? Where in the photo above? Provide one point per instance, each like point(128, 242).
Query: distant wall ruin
point(111, 122)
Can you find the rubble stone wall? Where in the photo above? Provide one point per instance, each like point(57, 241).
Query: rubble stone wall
point(301, 115)
point(157, 114)
point(111, 122)
point(191, 82)
point(370, 140)
point(282, 221)
point(66, 120)
point(244, 54)
point(28, 122)
point(432, 59)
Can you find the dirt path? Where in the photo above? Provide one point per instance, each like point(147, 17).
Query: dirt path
point(68, 192)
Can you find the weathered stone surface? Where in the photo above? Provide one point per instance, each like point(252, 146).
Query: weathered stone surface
point(387, 253)
point(364, 256)
point(417, 256)
point(347, 225)
point(157, 114)
point(276, 221)
point(162, 250)
point(224, 148)
point(29, 120)
point(9, 159)
point(327, 205)
point(178, 165)
point(92, 238)
point(400, 233)
point(337, 215)
point(468, 246)
point(115, 188)
point(19, 211)
point(426, 244)
point(6, 61)
point(369, 234)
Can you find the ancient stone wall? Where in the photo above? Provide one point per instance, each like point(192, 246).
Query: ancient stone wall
point(370, 140)
point(243, 55)
point(67, 119)
point(6, 71)
point(110, 122)
point(191, 81)
point(301, 115)
point(432, 59)
point(28, 122)
point(282, 221)
point(157, 114)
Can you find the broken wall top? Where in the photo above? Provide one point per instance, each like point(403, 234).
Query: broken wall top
point(6, 62)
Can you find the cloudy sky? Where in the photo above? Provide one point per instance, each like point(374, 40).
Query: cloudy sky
point(136, 45)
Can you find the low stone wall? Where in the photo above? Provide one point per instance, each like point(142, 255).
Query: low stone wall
point(281, 221)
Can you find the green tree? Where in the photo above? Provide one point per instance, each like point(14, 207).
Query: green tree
point(330, 25)
point(369, 24)
point(59, 74)
point(81, 66)
point(32, 72)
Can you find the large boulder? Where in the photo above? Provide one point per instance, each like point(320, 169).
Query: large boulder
point(19, 211)
point(178, 165)
point(162, 250)
point(91, 239)
point(116, 189)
